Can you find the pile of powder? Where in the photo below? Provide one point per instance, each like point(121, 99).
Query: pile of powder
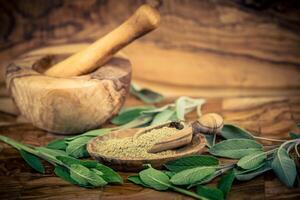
point(136, 147)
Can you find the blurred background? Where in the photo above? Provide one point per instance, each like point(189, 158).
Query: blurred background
point(209, 48)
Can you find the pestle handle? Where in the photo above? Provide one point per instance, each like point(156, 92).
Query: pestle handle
point(144, 20)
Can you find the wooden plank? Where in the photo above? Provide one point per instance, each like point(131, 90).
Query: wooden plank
point(18, 180)
point(204, 48)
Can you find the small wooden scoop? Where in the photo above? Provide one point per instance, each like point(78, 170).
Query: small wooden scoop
point(210, 123)
point(181, 138)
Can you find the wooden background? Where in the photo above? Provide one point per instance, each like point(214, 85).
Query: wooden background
point(244, 55)
point(207, 48)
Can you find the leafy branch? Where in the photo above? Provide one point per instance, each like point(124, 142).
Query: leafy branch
point(87, 174)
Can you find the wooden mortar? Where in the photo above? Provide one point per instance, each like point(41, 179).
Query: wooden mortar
point(84, 90)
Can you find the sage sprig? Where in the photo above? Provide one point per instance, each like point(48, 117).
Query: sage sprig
point(250, 161)
point(144, 94)
point(87, 174)
point(132, 117)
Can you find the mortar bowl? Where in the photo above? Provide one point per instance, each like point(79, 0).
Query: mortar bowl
point(67, 105)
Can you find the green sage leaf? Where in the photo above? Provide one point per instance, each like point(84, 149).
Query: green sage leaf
point(84, 176)
point(250, 174)
point(92, 133)
point(190, 176)
point(284, 167)
point(70, 161)
point(189, 162)
point(294, 135)
point(169, 173)
point(210, 193)
point(77, 147)
point(155, 179)
point(99, 173)
point(162, 117)
point(225, 183)
point(109, 175)
point(207, 179)
point(209, 138)
point(252, 160)
point(144, 94)
point(230, 131)
point(138, 122)
point(136, 180)
point(235, 148)
point(33, 161)
point(64, 174)
point(180, 108)
point(52, 153)
point(57, 144)
point(129, 115)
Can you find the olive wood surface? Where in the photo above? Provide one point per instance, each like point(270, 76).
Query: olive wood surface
point(263, 116)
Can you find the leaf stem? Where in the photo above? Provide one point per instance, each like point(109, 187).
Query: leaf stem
point(269, 139)
point(186, 192)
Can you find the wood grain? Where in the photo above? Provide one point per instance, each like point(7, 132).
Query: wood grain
point(219, 48)
point(19, 181)
point(67, 105)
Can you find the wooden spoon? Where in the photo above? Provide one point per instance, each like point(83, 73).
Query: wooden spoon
point(210, 123)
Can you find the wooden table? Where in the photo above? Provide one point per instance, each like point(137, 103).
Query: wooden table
point(264, 116)
point(243, 55)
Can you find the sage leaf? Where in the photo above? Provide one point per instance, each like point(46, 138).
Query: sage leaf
point(162, 117)
point(235, 148)
point(84, 176)
point(155, 179)
point(169, 173)
point(284, 167)
point(210, 193)
point(136, 180)
point(77, 147)
point(158, 110)
point(58, 144)
point(209, 138)
point(294, 135)
point(109, 175)
point(51, 153)
point(298, 126)
point(129, 115)
point(230, 131)
point(225, 183)
point(33, 161)
point(189, 162)
point(252, 160)
point(92, 133)
point(250, 174)
point(64, 174)
point(207, 179)
point(190, 176)
point(99, 173)
point(146, 95)
point(180, 108)
point(138, 122)
point(245, 171)
point(70, 161)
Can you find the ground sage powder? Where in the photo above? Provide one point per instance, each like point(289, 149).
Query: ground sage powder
point(136, 147)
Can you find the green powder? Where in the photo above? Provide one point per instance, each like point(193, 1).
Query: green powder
point(136, 147)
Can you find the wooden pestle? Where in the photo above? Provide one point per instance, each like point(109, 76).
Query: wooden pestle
point(144, 20)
